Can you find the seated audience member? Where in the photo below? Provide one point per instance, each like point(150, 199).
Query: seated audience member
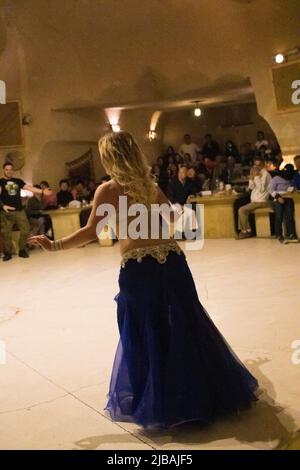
point(210, 147)
point(64, 195)
point(231, 172)
point(209, 167)
point(80, 192)
point(171, 159)
point(218, 171)
point(50, 199)
point(283, 206)
point(247, 154)
point(194, 177)
point(296, 180)
point(163, 178)
point(200, 169)
point(178, 159)
point(187, 160)
point(242, 200)
point(261, 140)
point(259, 186)
point(172, 170)
point(199, 164)
point(189, 147)
point(162, 163)
point(232, 151)
point(272, 166)
point(39, 223)
point(170, 152)
point(158, 175)
point(91, 188)
point(263, 152)
point(181, 187)
point(168, 177)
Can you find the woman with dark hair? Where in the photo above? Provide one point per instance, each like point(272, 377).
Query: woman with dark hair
point(172, 365)
point(170, 151)
point(162, 178)
point(178, 159)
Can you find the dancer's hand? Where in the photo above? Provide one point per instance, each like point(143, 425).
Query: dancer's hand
point(40, 240)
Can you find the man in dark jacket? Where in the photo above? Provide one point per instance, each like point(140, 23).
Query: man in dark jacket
point(181, 187)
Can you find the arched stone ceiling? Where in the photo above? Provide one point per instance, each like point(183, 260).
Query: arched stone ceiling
point(131, 51)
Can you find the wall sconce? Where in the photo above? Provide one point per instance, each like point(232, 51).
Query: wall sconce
point(279, 58)
point(115, 127)
point(151, 135)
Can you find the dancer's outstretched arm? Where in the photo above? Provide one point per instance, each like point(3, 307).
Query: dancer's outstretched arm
point(104, 194)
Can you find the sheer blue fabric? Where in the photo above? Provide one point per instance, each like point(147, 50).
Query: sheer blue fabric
point(172, 365)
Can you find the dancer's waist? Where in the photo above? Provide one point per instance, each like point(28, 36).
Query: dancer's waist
point(159, 251)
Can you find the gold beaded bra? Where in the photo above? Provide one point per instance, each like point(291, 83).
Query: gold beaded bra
point(159, 252)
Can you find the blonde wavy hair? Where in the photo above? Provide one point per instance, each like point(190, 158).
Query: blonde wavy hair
point(127, 165)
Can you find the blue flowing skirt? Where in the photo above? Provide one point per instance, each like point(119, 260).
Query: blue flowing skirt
point(172, 365)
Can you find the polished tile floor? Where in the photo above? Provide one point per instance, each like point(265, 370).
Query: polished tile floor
point(58, 335)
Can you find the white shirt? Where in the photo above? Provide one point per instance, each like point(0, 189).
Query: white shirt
point(191, 148)
point(260, 186)
point(259, 143)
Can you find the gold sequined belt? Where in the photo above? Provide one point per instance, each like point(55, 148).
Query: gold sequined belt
point(159, 252)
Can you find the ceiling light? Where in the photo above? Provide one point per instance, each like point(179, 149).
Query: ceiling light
point(197, 112)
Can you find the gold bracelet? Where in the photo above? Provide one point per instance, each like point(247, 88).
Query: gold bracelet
point(57, 245)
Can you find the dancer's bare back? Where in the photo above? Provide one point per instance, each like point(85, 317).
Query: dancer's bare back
point(109, 193)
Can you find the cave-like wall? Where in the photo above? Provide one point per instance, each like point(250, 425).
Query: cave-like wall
point(110, 52)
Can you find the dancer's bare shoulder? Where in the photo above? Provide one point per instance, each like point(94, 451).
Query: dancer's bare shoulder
point(107, 192)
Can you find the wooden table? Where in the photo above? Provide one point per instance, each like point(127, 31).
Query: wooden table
point(67, 220)
point(64, 221)
point(218, 215)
